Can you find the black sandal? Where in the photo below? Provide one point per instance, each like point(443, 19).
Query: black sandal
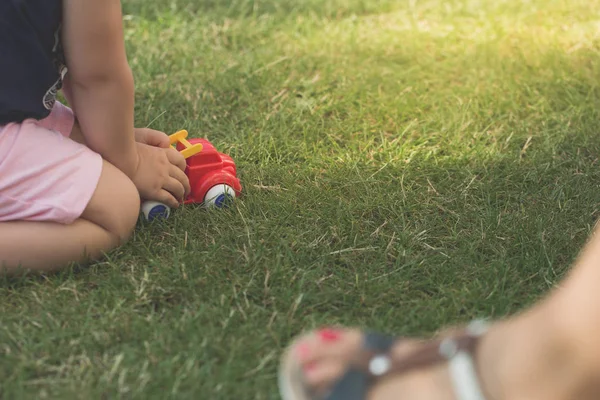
point(373, 362)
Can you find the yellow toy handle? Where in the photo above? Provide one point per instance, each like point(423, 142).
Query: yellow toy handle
point(190, 149)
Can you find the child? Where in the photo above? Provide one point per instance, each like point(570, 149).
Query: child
point(71, 178)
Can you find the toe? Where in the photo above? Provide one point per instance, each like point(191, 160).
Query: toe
point(327, 344)
point(324, 355)
point(320, 376)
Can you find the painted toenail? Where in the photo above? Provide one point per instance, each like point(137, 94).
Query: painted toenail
point(302, 351)
point(329, 335)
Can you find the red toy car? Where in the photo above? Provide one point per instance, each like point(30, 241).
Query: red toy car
point(212, 175)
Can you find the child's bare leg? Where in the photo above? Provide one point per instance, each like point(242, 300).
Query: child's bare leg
point(108, 221)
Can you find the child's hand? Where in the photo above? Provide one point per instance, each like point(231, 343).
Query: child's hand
point(151, 137)
point(160, 175)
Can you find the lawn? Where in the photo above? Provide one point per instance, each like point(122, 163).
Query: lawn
point(406, 165)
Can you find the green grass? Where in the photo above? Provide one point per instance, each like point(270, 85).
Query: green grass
point(406, 165)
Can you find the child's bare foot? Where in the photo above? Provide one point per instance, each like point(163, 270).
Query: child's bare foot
point(526, 358)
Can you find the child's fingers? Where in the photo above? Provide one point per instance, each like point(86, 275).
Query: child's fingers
point(182, 178)
point(175, 187)
point(167, 198)
point(176, 158)
point(152, 137)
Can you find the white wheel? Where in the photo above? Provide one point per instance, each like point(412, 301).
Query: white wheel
point(219, 196)
point(153, 210)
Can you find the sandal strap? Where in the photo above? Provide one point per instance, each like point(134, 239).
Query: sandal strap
point(375, 362)
point(356, 382)
point(463, 371)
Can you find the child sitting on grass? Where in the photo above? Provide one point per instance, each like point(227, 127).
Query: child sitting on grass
point(71, 178)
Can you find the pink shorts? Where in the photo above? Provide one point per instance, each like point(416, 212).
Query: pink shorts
point(44, 175)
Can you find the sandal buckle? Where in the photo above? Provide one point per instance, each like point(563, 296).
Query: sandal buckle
point(379, 365)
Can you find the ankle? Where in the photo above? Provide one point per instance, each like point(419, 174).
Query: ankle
point(534, 356)
point(578, 320)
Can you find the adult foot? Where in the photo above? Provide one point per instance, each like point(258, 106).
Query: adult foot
point(525, 358)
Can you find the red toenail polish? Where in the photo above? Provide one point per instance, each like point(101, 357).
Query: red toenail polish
point(302, 351)
point(329, 335)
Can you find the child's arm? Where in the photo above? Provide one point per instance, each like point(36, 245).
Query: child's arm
point(101, 91)
point(100, 80)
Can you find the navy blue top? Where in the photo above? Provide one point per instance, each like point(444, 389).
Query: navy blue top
point(31, 58)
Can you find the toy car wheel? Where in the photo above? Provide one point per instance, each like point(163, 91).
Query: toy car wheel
point(154, 210)
point(219, 196)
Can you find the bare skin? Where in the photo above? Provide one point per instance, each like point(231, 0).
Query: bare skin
point(549, 352)
point(137, 163)
point(106, 223)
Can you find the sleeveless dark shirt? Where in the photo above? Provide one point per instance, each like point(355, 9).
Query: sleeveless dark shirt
point(31, 58)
